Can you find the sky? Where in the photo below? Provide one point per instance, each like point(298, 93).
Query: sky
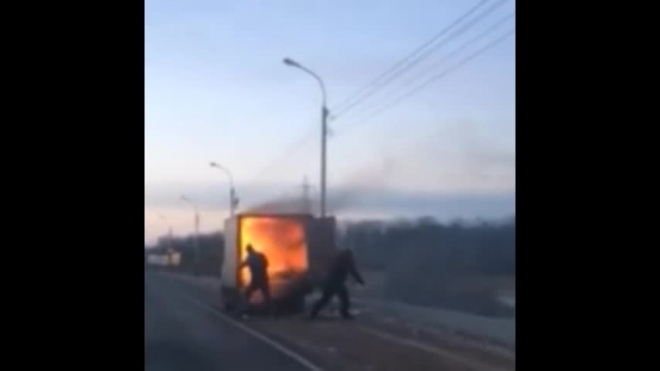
point(216, 90)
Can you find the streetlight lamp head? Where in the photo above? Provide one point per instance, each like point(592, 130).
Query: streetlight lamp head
point(213, 164)
point(291, 62)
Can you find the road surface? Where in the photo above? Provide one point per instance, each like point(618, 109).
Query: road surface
point(182, 334)
point(500, 331)
point(185, 330)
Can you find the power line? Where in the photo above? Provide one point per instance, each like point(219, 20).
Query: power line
point(407, 62)
point(292, 148)
point(456, 51)
point(433, 79)
point(420, 58)
point(411, 55)
point(415, 57)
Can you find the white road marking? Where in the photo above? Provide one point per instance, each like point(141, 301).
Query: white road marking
point(288, 352)
point(430, 349)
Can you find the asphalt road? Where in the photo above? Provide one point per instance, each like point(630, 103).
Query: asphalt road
point(184, 334)
point(500, 331)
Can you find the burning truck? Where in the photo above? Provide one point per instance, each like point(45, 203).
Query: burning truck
point(298, 248)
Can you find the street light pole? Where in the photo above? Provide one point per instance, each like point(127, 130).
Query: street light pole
point(196, 238)
point(169, 227)
point(233, 200)
point(170, 240)
point(324, 128)
point(324, 136)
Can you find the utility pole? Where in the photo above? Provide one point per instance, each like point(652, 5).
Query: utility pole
point(305, 196)
point(233, 200)
point(197, 268)
point(324, 139)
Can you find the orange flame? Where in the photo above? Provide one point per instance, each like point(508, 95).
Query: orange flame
point(282, 241)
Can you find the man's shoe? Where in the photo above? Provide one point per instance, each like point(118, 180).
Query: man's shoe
point(348, 317)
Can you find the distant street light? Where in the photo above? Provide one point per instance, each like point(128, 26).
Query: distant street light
point(170, 241)
point(324, 126)
point(196, 238)
point(169, 226)
point(233, 200)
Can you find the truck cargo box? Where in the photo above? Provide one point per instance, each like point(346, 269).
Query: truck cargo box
point(297, 246)
point(320, 234)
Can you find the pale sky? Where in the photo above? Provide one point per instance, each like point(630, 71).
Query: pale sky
point(216, 90)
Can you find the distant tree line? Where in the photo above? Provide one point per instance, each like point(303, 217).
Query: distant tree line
point(458, 265)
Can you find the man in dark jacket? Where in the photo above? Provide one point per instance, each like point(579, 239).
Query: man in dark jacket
point(341, 267)
point(257, 263)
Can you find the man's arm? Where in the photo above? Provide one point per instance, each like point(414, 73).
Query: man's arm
point(354, 272)
point(244, 263)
